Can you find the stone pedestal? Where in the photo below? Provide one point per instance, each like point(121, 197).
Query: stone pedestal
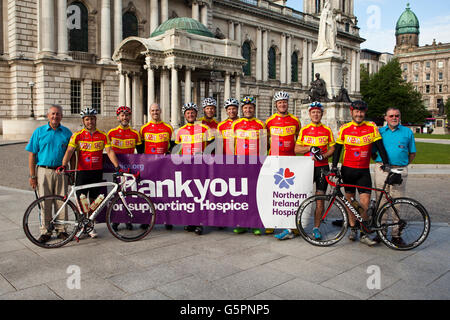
point(335, 114)
point(330, 69)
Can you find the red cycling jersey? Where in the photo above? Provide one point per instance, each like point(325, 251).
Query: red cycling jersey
point(124, 140)
point(226, 130)
point(283, 131)
point(193, 138)
point(90, 146)
point(357, 140)
point(157, 136)
point(318, 136)
point(247, 136)
point(211, 123)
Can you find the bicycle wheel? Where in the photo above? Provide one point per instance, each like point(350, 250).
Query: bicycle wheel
point(405, 224)
point(135, 224)
point(44, 216)
point(328, 211)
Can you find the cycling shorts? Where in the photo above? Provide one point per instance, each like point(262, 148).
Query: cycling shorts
point(87, 177)
point(355, 176)
point(319, 179)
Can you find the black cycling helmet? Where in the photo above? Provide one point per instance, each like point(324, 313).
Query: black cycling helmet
point(359, 105)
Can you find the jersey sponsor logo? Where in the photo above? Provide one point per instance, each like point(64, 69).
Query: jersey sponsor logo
point(315, 141)
point(359, 140)
point(283, 131)
point(123, 143)
point(157, 137)
point(91, 146)
point(228, 134)
point(192, 138)
point(247, 134)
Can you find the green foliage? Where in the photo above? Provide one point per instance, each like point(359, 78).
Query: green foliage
point(386, 88)
point(447, 109)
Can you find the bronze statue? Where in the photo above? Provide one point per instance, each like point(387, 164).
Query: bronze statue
point(318, 90)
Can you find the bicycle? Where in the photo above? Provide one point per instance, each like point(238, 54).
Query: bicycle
point(55, 213)
point(401, 223)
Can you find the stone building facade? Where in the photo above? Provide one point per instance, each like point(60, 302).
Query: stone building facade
point(60, 51)
point(426, 67)
point(374, 60)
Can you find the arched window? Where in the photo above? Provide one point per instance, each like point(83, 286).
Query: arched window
point(272, 63)
point(246, 54)
point(77, 23)
point(129, 25)
point(318, 6)
point(294, 67)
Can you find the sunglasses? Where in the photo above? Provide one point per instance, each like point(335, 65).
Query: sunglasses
point(394, 116)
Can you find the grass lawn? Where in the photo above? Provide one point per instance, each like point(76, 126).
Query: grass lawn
point(432, 136)
point(432, 153)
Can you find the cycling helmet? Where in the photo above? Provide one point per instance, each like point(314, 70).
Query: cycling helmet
point(231, 102)
point(248, 100)
point(359, 105)
point(281, 95)
point(209, 102)
point(124, 109)
point(315, 105)
point(88, 111)
point(189, 106)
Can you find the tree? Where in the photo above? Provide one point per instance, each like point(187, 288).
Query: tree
point(387, 88)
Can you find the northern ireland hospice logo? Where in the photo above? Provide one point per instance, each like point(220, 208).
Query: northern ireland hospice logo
point(284, 178)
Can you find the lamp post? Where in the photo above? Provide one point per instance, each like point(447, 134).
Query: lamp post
point(31, 85)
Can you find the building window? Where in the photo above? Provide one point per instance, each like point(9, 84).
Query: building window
point(440, 64)
point(440, 76)
point(416, 66)
point(294, 67)
point(427, 88)
point(405, 67)
point(347, 27)
point(440, 88)
point(129, 25)
point(416, 78)
point(246, 54)
point(97, 96)
point(75, 96)
point(405, 78)
point(428, 76)
point(77, 23)
point(272, 63)
point(427, 64)
point(317, 6)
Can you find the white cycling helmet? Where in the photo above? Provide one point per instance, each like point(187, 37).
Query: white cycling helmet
point(189, 106)
point(315, 105)
point(209, 102)
point(280, 95)
point(87, 112)
point(231, 102)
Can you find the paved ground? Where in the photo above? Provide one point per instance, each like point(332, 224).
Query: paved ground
point(218, 265)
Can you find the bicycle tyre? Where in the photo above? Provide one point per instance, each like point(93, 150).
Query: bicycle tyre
point(331, 234)
point(32, 221)
point(141, 217)
point(413, 228)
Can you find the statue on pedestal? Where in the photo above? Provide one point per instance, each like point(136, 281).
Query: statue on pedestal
point(327, 32)
point(318, 90)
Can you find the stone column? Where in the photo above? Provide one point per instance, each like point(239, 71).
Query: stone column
point(195, 11)
point(305, 64)
point(164, 10)
point(117, 23)
point(352, 88)
point(310, 65)
point(358, 74)
point(63, 44)
point(230, 30)
point(105, 37)
point(226, 93)
point(259, 49)
point(121, 85)
point(164, 92)
point(289, 60)
point(187, 85)
point(265, 51)
point(150, 84)
point(137, 101)
point(238, 33)
point(154, 15)
point(48, 27)
point(238, 86)
point(174, 118)
point(283, 59)
point(128, 89)
point(204, 15)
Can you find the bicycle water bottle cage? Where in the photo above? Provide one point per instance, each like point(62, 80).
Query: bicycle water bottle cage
point(394, 178)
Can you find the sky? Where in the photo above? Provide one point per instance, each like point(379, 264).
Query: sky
point(377, 19)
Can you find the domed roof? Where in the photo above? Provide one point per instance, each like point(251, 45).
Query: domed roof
point(407, 23)
point(188, 24)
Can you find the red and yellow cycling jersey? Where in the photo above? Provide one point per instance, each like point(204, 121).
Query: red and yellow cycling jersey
point(246, 133)
point(283, 131)
point(316, 136)
point(90, 148)
point(124, 140)
point(193, 138)
point(357, 140)
point(211, 123)
point(225, 128)
point(156, 136)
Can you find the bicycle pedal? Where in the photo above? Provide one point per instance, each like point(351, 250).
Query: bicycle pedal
point(77, 239)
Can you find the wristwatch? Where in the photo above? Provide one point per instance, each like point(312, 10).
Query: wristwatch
point(33, 177)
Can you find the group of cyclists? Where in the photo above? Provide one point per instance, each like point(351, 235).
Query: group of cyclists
point(240, 136)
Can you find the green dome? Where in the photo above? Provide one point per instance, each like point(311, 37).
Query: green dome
point(188, 24)
point(407, 23)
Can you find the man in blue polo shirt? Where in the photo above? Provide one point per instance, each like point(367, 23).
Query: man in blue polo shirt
point(46, 148)
point(401, 150)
